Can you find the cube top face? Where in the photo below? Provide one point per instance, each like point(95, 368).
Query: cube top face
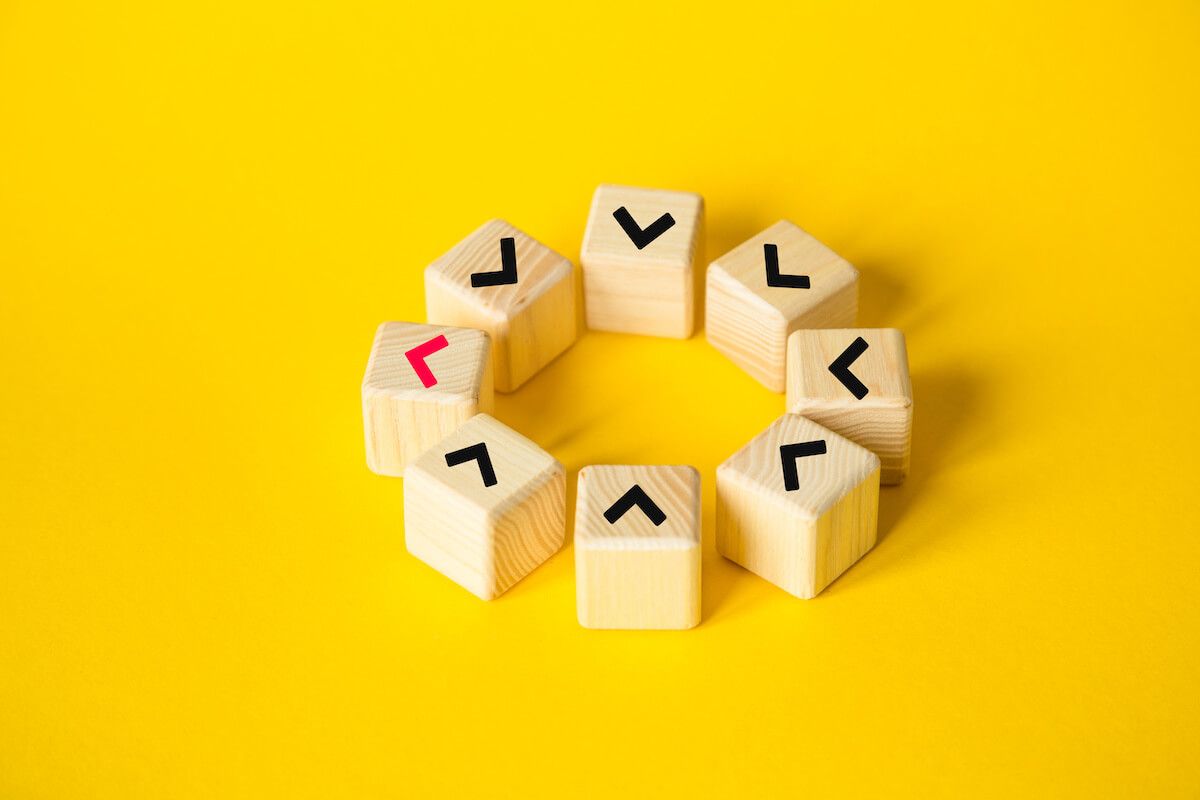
point(537, 269)
point(612, 514)
point(607, 243)
point(797, 254)
point(875, 358)
point(802, 465)
point(492, 478)
point(432, 363)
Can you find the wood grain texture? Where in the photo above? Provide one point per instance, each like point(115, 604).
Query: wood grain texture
point(799, 540)
point(882, 420)
point(485, 538)
point(401, 417)
point(632, 574)
point(650, 291)
point(749, 321)
point(531, 321)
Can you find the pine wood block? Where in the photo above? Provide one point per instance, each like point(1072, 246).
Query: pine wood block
point(650, 289)
point(531, 321)
point(485, 506)
point(749, 320)
point(881, 420)
point(798, 505)
point(402, 417)
point(629, 571)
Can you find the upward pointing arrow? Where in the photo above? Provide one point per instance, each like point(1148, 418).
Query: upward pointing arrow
point(636, 496)
point(790, 452)
point(476, 452)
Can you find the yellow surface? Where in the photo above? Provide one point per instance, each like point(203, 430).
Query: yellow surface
point(205, 211)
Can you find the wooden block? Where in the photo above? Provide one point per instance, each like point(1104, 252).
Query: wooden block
point(526, 302)
point(637, 547)
point(649, 289)
point(402, 415)
point(881, 419)
point(749, 320)
point(485, 506)
point(798, 505)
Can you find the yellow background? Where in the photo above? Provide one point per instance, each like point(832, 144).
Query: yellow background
point(206, 209)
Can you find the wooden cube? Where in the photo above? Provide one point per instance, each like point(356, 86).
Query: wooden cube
point(485, 506)
point(521, 292)
point(798, 505)
point(422, 382)
point(855, 382)
point(776, 282)
point(637, 547)
point(639, 257)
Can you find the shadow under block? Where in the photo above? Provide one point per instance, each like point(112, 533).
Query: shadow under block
point(531, 321)
point(485, 538)
point(799, 539)
point(749, 321)
point(882, 420)
point(651, 290)
point(631, 573)
point(401, 416)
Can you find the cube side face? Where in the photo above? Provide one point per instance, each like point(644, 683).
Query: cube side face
point(542, 330)
point(451, 537)
point(832, 296)
point(746, 329)
point(768, 538)
point(530, 530)
point(398, 429)
point(655, 589)
point(884, 430)
point(531, 321)
point(651, 290)
point(845, 533)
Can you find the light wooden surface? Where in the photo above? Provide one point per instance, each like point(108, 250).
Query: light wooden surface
point(531, 321)
point(882, 420)
point(798, 540)
point(401, 417)
point(632, 573)
point(651, 291)
point(749, 321)
point(485, 538)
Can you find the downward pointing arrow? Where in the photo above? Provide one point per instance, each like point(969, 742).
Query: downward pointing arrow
point(790, 452)
point(476, 452)
point(637, 234)
point(416, 357)
point(775, 277)
point(508, 267)
point(841, 368)
point(636, 496)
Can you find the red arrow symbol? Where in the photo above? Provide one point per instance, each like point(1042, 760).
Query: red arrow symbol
point(417, 357)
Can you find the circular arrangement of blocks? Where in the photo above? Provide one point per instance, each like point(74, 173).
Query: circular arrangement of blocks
point(797, 505)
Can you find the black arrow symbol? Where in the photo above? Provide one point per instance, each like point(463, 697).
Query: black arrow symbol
point(774, 277)
point(841, 368)
point(636, 496)
point(508, 267)
point(642, 236)
point(476, 452)
point(790, 452)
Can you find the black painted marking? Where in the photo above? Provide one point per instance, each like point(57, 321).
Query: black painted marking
point(508, 267)
point(636, 496)
point(841, 368)
point(637, 234)
point(790, 452)
point(775, 277)
point(476, 452)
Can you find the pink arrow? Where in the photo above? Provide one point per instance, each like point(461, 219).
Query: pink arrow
point(417, 357)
